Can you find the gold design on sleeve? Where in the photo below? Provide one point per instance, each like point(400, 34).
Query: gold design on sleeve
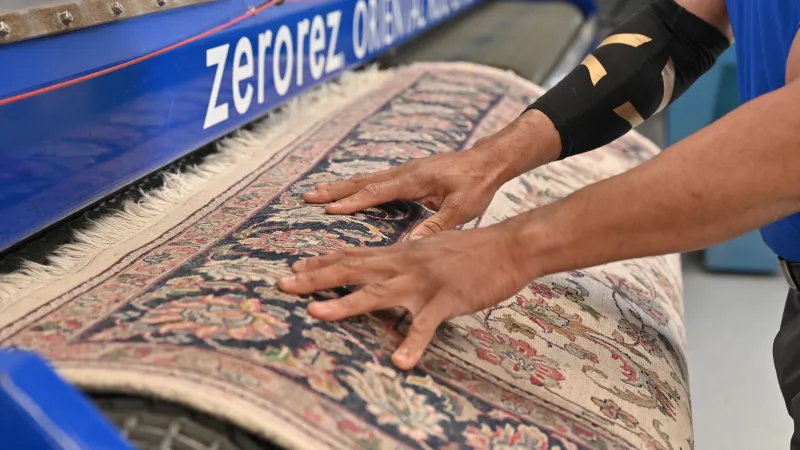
point(668, 79)
point(630, 39)
point(596, 69)
point(629, 113)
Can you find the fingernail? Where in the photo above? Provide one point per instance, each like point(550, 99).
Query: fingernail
point(402, 354)
point(414, 237)
point(298, 265)
point(316, 308)
point(289, 279)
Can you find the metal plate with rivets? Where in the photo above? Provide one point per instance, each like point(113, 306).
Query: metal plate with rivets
point(27, 19)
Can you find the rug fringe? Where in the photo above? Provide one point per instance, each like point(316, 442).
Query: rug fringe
point(178, 187)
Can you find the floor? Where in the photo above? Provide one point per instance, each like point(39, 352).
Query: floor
point(731, 320)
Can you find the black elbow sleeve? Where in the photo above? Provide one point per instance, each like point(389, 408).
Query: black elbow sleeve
point(639, 69)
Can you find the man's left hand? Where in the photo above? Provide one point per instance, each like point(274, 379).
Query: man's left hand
point(436, 279)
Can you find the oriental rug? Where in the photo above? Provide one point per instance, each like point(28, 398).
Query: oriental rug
point(186, 308)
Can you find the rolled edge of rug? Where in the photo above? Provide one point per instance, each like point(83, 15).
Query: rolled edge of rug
point(216, 402)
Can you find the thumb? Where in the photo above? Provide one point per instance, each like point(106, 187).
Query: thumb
point(447, 218)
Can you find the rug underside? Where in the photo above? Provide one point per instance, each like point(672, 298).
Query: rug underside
point(174, 298)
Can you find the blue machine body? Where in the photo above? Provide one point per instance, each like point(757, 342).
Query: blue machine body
point(70, 145)
point(85, 113)
point(39, 411)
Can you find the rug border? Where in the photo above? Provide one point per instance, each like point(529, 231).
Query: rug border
point(233, 409)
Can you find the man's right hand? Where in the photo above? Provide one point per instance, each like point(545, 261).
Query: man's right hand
point(458, 186)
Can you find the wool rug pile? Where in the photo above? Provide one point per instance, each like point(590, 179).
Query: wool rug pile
point(185, 307)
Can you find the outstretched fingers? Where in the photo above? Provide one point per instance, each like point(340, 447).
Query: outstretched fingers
point(319, 262)
point(372, 297)
point(420, 334)
point(372, 194)
point(337, 190)
point(349, 271)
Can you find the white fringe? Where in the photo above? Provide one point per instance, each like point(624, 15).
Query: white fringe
point(134, 217)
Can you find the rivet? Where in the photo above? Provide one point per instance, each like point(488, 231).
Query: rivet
point(161, 2)
point(4, 29)
point(116, 8)
point(65, 17)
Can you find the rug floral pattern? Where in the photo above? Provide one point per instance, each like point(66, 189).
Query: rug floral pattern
point(590, 359)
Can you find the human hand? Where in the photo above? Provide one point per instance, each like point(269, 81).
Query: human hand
point(459, 186)
point(444, 276)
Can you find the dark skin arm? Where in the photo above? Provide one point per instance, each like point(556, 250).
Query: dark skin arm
point(734, 176)
point(460, 186)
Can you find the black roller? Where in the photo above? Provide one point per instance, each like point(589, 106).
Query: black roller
point(157, 425)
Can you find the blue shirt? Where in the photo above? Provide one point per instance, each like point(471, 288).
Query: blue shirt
point(764, 31)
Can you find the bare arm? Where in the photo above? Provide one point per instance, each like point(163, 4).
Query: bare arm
point(647, 62)
point(734, 176)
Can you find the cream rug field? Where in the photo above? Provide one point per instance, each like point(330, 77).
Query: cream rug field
point(175, 298)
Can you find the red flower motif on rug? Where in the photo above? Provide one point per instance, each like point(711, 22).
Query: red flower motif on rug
point(517, 357)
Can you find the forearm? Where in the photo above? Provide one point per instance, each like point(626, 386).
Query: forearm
point(734, 176)
point(644, 65)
